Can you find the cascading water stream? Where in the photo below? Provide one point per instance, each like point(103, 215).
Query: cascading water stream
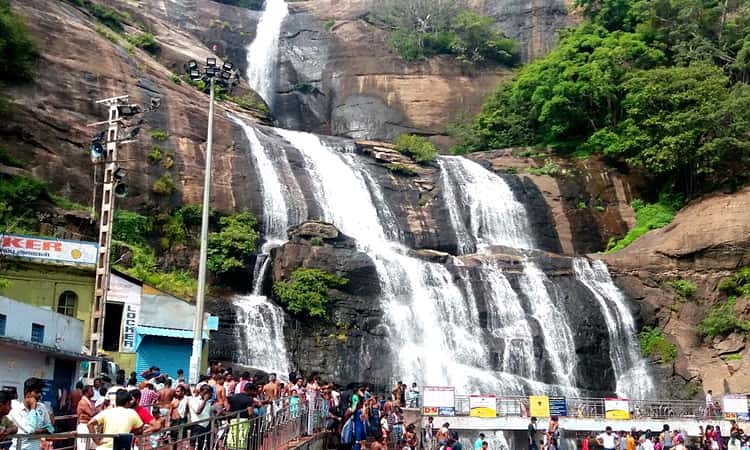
point(558, 339)
point(631, 373)
point(262, 52)
point(482, 207)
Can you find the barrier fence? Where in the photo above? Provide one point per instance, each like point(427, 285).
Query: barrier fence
point(271, 431)
point(586, 407)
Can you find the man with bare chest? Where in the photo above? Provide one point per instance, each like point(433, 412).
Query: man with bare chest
point(271, 389)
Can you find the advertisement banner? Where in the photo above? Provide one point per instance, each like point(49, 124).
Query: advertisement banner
point(49, 250)
point(482, 406)
point(129, 294)
point(558, 407)
point(539, 405)
point(616, 408)
point(735, 407)
point(439, 400)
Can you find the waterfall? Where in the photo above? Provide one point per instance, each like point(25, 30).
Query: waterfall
point(506, 320)
point(482, 207)
point(260, 334)
point(558, 339)
point(432, 319)
point(281, 195)
point(262, 52)
point(631, 373)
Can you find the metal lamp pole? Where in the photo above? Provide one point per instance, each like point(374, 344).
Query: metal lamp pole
point(228, 78)
point(195, 358)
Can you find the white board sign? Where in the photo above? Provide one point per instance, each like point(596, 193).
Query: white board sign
point(49, 250)
point(129, 294)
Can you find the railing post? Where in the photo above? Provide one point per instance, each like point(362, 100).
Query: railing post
point(211, 432)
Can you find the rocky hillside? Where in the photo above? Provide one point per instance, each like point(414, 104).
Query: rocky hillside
point(708, 241)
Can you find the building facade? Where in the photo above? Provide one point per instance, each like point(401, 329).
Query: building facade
point(38, 342)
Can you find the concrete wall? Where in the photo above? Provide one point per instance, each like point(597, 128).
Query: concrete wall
point(41, 285)
point(60, 331)
point(16, 365)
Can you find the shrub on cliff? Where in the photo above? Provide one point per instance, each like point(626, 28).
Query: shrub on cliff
point(417, 147)
point(420, 29)
point(653, 343)
point(306, 293)
point(721, 320)
point(231, 247)
point(738, 284)
point(18, 51)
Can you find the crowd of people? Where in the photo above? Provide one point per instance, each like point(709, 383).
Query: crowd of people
point(154, 403)
point(709, 438)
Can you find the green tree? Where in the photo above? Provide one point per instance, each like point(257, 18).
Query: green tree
point(307, 292)
point(683, 123)
point(476, 40)
point(18, 51)
point(231, 247)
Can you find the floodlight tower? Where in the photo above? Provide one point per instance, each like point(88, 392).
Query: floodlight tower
point(228, 78)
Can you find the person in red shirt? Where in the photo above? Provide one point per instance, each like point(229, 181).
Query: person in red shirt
point(144, 413)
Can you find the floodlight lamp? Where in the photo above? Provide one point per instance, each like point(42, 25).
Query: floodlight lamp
point(119, 174)
point(195, 75)
point(211, 62)
point(226, 75)
point(97, 149)
point(155, 103)
point(121, 190)
point(129, 110)
point(227, 67)
point(192, 65)
point(211, 71)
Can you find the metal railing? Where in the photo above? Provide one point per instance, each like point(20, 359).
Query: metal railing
point(586, 407)
point(271, 431)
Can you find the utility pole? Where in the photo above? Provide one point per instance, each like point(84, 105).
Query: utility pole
point(195, 358)
point(101, 283)
point(104, 151)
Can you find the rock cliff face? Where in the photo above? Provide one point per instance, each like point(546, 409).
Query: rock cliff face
point(707, 241)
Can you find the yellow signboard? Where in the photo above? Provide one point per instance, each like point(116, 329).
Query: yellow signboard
point(616, 408)
point(539, 405)
point(482, 406)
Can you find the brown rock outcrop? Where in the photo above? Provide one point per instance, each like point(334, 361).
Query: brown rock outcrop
point(706, 241)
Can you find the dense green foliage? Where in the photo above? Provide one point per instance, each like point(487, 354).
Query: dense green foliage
point(18, 198)
point(549, 168)
point(231, 247)
point(145, 41)
point(131, 234)
point(177, 225)
point(738, 284)
point(648, 216)
point(131, 227)
point(249, 103)
point(255, 5)
point(419, 148)
point(306, 293)
point(721, 320)
point(654, 84)
point(653, 343)
point(18, 52)
point(684, 288)
point(159, 135)
point(164, 185)
point(420, 29)
point(143, 266)
point(401, 169)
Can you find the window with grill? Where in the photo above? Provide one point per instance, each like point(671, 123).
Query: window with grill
point(66, 304)
point(2, 324)
point(37, 333)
